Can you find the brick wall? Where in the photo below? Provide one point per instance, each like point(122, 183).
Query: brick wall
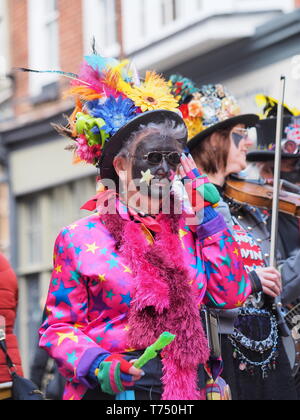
point(19, 51)
point(70, 34)
point(70, 50)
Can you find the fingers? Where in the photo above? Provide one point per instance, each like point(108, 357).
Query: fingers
point(270, 292)
point(189, 164)
point(271, 275)
point(185, 164)
point(126, 367)
point(182, 172)
point(271, 288)
point(136, 373)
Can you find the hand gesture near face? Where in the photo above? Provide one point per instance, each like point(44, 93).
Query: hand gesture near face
point(199, 189)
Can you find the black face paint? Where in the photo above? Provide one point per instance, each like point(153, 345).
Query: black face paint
point(154, 179)
point(237, 138)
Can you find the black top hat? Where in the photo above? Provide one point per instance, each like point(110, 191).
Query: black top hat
point(249, 120)
point(266, 138)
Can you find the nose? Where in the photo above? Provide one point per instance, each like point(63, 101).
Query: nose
point(248, 142)
point(163, 171)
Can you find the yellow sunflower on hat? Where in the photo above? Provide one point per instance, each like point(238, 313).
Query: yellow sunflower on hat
point(154, 93)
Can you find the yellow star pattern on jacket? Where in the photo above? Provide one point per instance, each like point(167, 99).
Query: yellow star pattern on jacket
point(92, 248)
point(64, 336)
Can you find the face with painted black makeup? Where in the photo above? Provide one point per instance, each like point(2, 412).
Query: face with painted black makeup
point(139, 172)
point(154, 164)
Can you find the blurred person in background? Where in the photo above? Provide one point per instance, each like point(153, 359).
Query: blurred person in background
point(8, 310)
point(255, 362)
point(263, 159)
point(45, 374)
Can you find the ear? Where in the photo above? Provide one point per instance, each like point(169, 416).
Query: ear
point(214, 141)
point(121, 166)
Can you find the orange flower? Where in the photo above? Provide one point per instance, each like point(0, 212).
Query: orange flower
point(195, 109)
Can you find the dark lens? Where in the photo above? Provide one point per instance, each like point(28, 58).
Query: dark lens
point(155, 158)
point(174, 158)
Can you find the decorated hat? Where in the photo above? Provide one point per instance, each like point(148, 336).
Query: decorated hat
point(207, 109)
point(111, 102)
point(266, 131)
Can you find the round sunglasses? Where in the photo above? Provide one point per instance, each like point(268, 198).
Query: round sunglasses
point(291, 146)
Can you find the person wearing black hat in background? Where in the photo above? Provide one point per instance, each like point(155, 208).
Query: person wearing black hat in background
point(256, 365)
point(289, 226)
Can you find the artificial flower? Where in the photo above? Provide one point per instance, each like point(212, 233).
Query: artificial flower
point(91, 128)
point(184, 109)
point(115, 112)
point(86, 153)
point(195, 109)
point(152, 94)
point(194, 126)
point(182, 88)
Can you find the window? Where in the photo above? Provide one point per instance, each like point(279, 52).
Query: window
point(43, 16)
point(33, 238)
point(147, 21)
point(169, 11)
point(51, 33)
point(101, 23)
point(34, 314)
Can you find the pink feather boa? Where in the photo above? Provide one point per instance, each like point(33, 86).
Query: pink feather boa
point(163, 301)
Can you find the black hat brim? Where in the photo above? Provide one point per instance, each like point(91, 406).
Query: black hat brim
point(118, 140)
point(268, 156)
point(249, 120)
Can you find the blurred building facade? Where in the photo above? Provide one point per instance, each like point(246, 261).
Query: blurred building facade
point(232, 41)
point(6, 91)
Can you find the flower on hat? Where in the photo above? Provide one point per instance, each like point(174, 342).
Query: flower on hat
point(195, 109)
point(182, 88)
point(114, 112)
point(109, 94)
point(194, 126)
point(202, 107)
point(152, 94)
point(85, 152)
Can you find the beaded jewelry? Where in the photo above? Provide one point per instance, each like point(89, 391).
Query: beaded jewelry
point(270, 343)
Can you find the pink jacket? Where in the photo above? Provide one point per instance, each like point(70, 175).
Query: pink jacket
point(91, 290)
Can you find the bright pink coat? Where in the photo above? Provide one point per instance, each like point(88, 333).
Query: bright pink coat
point(91, 290)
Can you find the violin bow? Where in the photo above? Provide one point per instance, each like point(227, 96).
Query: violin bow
point(275, 209)
point(277, 167)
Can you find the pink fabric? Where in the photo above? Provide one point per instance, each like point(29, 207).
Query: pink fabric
point(94, 288)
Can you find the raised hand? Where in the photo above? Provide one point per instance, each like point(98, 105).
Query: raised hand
point(199, 189)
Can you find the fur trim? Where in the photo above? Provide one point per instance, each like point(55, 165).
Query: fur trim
point(163, 301)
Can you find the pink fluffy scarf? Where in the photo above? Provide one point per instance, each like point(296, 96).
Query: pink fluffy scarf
point(163, 301)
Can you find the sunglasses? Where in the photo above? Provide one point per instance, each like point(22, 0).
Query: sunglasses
point(155, 158)
point(291, 146)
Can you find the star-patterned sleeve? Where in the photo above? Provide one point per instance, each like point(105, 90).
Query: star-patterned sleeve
point(66, 311)
point(222, 268)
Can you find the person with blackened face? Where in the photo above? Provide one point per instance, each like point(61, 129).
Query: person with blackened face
point(124, 277)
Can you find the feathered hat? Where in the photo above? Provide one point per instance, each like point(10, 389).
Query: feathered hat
point(112, 102)
point(207, 109)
